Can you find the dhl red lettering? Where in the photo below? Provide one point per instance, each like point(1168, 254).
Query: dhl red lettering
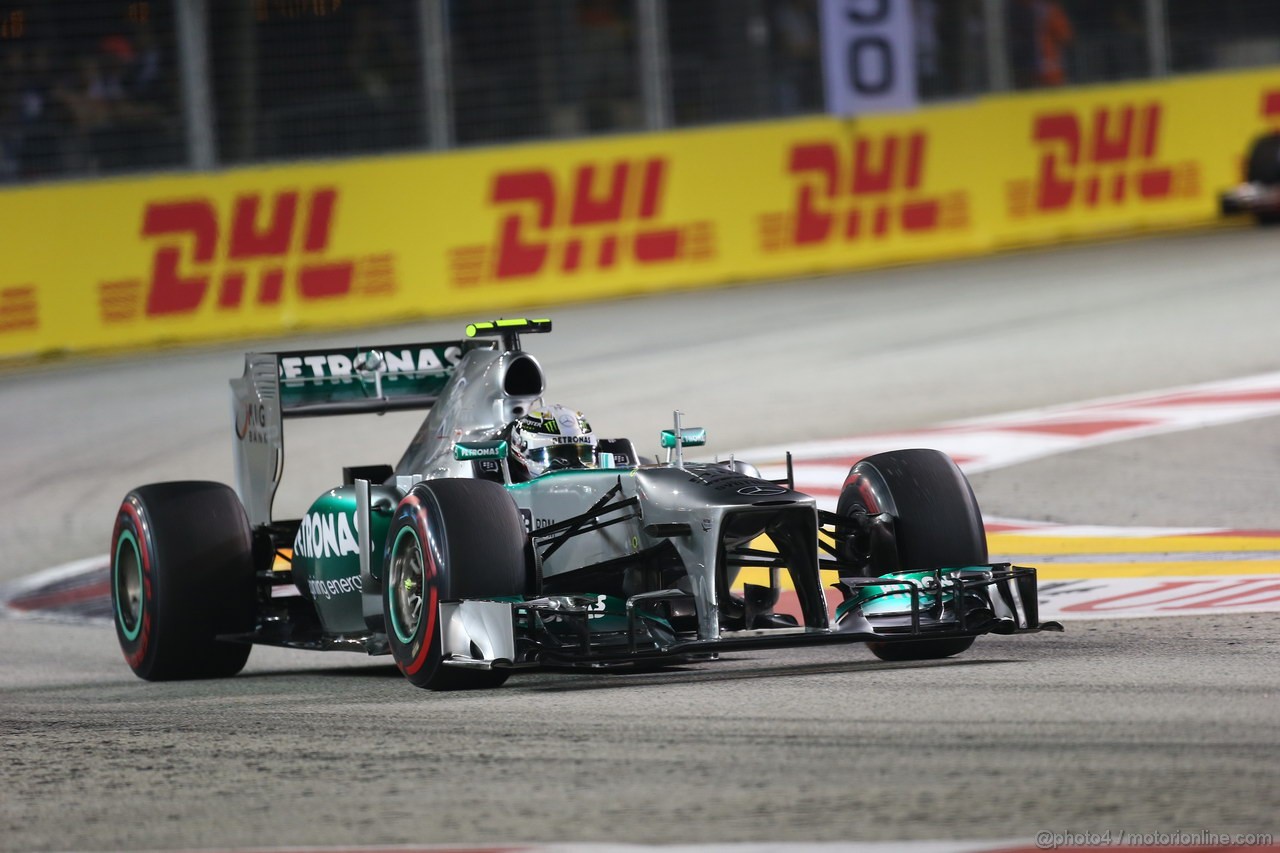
point(655, 172)
point(197, 218)
point(813, 221)
point(915, 161)
point(608, 251)
point(656, 246)
point(320, 220)
point(852, 224)
point(261, 229)
point(232, 290)
point(572, 255)
point(605, 207)
point(1056, 192)
point(1271, 104)
point(1121, 142)
point(1155, 183)
point(921, 215)
point(271, 286)
point(171, 292)
point(1112, 139)
point(881, 226)
point(857, 192)
point(325, 281)
point(1151, 134)
point(868, 176)
point(515, 257)
point(248, 242)
point(589, 209)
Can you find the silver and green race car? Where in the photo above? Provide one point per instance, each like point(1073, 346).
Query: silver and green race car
point(465, 568)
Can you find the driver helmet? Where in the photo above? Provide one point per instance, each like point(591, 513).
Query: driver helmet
point(553, 437)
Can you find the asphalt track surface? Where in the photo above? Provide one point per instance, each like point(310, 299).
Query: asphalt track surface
point(1141, 725)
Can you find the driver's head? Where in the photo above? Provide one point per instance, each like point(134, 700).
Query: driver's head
point(552, 437)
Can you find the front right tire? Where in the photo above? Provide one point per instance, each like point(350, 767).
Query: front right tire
point(936, 524)
point(450, 539)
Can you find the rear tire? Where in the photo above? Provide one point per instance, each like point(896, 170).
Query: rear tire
point(449, 540)
point(1264, 160)
point(181, 574)
point(936, 524)
point(1264, 168)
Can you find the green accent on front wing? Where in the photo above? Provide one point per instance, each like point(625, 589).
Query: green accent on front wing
point(894, 599)
point(126, 538)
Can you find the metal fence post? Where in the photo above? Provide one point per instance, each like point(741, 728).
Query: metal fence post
point(436, 82)
point(192, 18)
point(1157, 15)
point(997, 39)
point(655, 68)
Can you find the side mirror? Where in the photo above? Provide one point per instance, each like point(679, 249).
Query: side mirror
point(689, 437)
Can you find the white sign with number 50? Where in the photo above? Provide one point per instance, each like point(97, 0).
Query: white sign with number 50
point(868, 56)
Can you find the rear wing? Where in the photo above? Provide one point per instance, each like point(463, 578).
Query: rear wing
point(333, 381)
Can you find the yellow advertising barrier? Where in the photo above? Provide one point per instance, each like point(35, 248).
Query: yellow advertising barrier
point(128, 263)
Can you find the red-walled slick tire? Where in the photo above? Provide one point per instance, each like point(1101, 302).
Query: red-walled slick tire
point(181, 575)
point(449, 540)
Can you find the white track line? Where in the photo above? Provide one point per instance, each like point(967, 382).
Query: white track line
point(999, 441)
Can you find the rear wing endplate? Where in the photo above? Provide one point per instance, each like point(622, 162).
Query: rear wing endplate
point(313, 383)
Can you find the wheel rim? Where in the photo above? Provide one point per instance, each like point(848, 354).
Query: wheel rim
point(127, 584)
point(407, 579)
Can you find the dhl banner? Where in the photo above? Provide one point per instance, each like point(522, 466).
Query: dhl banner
point(129, 263)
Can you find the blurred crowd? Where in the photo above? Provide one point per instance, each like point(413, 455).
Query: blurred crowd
point(93, 86)
point(79, 97)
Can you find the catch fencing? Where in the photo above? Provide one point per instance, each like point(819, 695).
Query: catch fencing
point(111, 87)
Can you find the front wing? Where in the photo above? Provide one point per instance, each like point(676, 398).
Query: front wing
point(1251, 197)
point(576, 631)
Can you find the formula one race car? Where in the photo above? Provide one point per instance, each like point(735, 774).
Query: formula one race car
point(509, 536)
point(1260, 192)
